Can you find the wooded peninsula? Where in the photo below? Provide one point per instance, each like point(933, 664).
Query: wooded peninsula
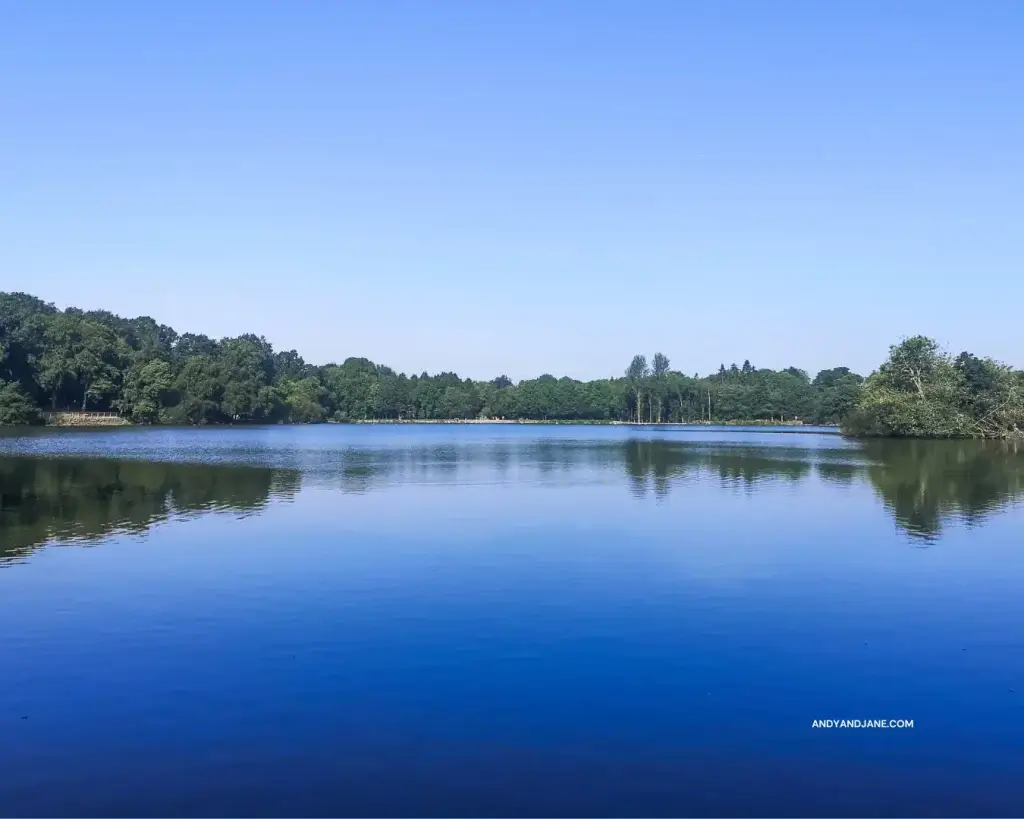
point(148, 373)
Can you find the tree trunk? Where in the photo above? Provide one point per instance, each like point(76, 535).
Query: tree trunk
point(85, 396)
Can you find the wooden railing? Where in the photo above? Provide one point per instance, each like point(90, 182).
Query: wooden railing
point(80, 418)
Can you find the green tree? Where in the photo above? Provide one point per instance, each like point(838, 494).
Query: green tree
point(23, 319)
point(56, 364)
point(16, 407)
point(305, 400)
point(146, 391)
point(246, 369)
point(636, 373)
point(199, 390)
point(97, 363)
point(81, 358)
point(659, 373)
point(917, 392)
point(836, 393)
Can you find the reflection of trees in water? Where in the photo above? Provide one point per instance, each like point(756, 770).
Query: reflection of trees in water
point(925, 483)
point(84, 500)
point(662, 463)
point(650, 464)
point(360, 470)
point(364, 469)
point(837, 472)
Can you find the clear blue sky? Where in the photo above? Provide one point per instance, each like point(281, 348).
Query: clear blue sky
point(524, 187)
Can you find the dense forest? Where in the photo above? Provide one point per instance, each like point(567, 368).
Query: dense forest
point(53, 359)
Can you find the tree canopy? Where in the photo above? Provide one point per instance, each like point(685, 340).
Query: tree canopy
point(921, 391)
point(54, 359)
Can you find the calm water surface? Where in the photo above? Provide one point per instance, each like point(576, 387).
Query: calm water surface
point(493, 620)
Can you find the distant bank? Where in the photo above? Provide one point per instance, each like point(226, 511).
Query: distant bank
point(586, 422)
point(73, 418)
point(136, 369)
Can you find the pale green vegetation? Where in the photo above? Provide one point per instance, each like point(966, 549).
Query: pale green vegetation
point(922, 392)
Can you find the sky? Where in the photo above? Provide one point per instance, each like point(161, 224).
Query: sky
point(542, 186)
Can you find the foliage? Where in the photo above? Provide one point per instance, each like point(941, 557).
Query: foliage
point(152, 374)
point(837, 391)
point(15, 406)
point(920, 391)
point(304, 399)
point(146, 389)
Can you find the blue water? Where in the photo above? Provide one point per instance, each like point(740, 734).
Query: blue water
point(504, 620)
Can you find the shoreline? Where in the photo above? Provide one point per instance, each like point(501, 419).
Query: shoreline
point(98, 420)
point(585, 422)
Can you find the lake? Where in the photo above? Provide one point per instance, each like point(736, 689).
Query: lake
point(508, 620)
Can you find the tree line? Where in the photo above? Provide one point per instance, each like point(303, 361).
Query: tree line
point(53, 359)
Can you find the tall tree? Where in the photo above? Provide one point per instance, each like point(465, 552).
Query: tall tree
point(146, 391)
point(636, 372)
point(97, 362)
point(659, 370)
